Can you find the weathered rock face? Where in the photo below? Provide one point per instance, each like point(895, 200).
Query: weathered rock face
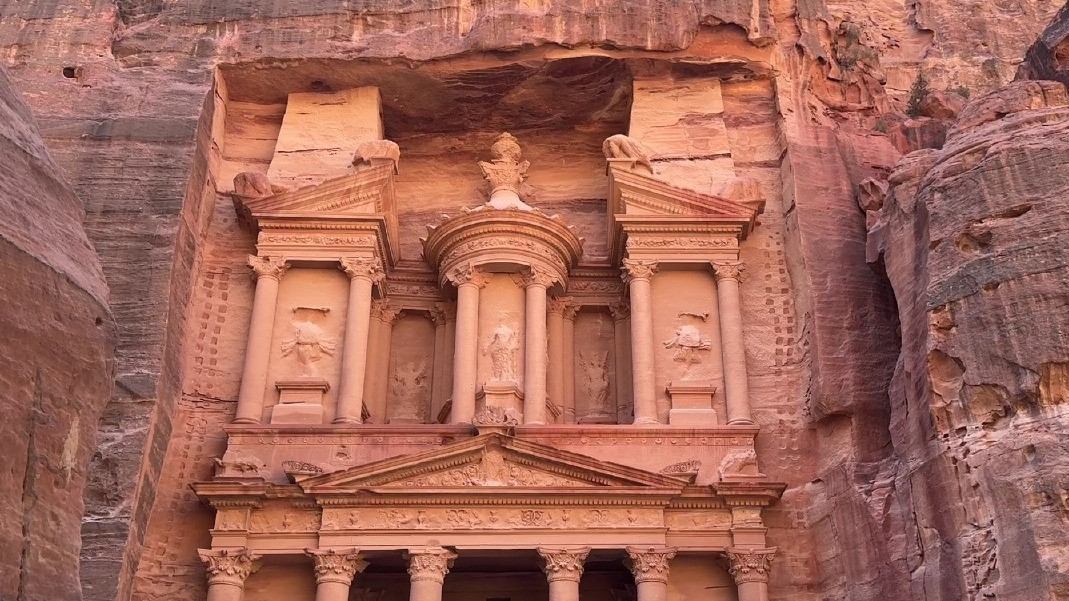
point(56, 362)
point(119, 88)
point(1048, 58)
point(973, 238)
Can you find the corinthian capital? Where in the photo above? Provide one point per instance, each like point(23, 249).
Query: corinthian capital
point(467, 274)
point(271, 267)
point(728, 270)
point(539, 277)
point(750, 565)
point(650, 564)
point(368, 268)
point(619, 311)
point(563, 564)
point(634, 269)
point(431, 563)
point(382, 310)
point(336, 565)
point(229, 566)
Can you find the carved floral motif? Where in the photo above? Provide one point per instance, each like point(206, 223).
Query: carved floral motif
point(270, 267)
point(683, 468)
point(505, 171)
point(490, 518)
point(467, 274)
point(739, 462)
point(229, 566)
point(234, 464)
point(539, 277)
point(315, 239)
point(563, 564)
point(385, 311)
point(336, 565)
point(728, 270)
point(650, 564)
point(634, 269)
point(301, 467)
point(750, 565)
point(429, 564)
point(493, 415)
point(367, 268)
point(674, 242)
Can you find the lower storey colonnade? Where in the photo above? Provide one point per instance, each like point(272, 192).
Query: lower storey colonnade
point(428, 568)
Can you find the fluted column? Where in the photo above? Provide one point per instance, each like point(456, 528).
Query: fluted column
point(620, 314)
point(750, 569)
point(649, 565)
point(387, 314)
point(227, 571)
point(637, 274)
point(427, 568)
point(555, 371)
point(363, 275)
point(534, 374)
point(335, 570)
point(571, 313)
point(728, 274)
point(469, 281)
point(563, 569)
point(268, 272)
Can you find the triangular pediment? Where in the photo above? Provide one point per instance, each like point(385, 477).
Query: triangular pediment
point(490, 461)
point(368, 190)
point(634, 193)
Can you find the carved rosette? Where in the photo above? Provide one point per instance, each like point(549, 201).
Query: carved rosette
point(429, 564)
point(650, 564)
point(563, 564)
point(467, 275)
point(728, 270)
point(229, 566)
point(368, 269)
point(271, 267)
point(336, 565)
point(635, 269)
point(750, 565)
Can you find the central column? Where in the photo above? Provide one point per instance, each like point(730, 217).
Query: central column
point(536, 283)
point(728, 274)
point(363, 275)
point(268, 272)
point(335, 570)
point(637, 274)
point(469, 281)
point(649, 565)
point(750, 569)
point(563, 569)
point(427, 568)
point(227, 571)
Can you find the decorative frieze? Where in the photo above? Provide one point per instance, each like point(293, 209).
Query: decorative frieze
point(490, 518)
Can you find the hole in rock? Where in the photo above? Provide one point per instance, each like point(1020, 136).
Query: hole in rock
point(70, 72)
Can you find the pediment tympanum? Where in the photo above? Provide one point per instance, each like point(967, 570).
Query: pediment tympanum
point(488, 464)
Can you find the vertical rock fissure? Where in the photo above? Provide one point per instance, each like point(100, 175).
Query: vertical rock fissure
point(29, 485)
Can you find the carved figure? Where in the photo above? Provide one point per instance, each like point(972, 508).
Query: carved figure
point(501, 348)
point(409, 385)
point(308, 341)
point(687, 341)
point(620, 146)
point(234, 464)
point(506, 173)
point(371, 150)
point(739, 462)
point(596, 381)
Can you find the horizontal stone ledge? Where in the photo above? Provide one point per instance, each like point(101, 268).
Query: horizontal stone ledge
point(135, 129)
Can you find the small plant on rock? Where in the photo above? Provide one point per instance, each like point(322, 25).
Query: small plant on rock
point(917, 93)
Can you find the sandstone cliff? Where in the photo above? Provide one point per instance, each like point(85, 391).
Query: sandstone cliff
point(57, 341)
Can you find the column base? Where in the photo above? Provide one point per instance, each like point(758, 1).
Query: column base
point(246, 420)
point(740, 422)
point(646, 421)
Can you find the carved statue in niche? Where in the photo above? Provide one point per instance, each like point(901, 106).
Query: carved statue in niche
point(501, 348)
point(308, 342)
point(409, 384)
point(687, 341)
point(595, 368)
point(506, 173)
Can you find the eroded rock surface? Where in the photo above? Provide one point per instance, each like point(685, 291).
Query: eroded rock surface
point(56, 363)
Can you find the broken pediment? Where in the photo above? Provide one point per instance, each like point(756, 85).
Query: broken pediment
point(491, 460)
point(632, 192)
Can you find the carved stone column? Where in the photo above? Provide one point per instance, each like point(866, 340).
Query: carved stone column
point(268, 271)
point(469, 281)
point(556, 308)
point(335, 570)
point(728, 274)
point(621, 350)
point(534, 379)
point(750, 569)
point(439, 315)
point(363, 275)
point(227, 571)
point(571, 312)
point(427, 568)
point(637, 274)
point(387, 315)
point(563, 569)
point(649, 565)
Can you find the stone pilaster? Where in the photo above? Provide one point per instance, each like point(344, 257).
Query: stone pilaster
point(637, 275)
point(227, 571)
point(363, 274)
point(728, 276)
point(268, 272)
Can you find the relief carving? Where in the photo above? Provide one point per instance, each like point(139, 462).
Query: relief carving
point(505, 172)
point(308, 342)
point(301, 468)
point(621, 147)
point(429, 564)
point(276, 520)
point(270, 267)
point(235, 464)
point(683, 468)
point(728, 270)
point(688, 341)
point(699, 520)
point(739, 462)
point(563, 564)
point(409, 387)
point(674, 242)
point(493, 415)
point(368, 268)
point(467, 274)
point(650, 564)
point(502, 348)
point(315, 239)
point(336, 565)
point(370, 151)
point(595, 369)
point(229, 566)
point(750, 565)
point(250, 184)
point(634, 269)
point(484, 518)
